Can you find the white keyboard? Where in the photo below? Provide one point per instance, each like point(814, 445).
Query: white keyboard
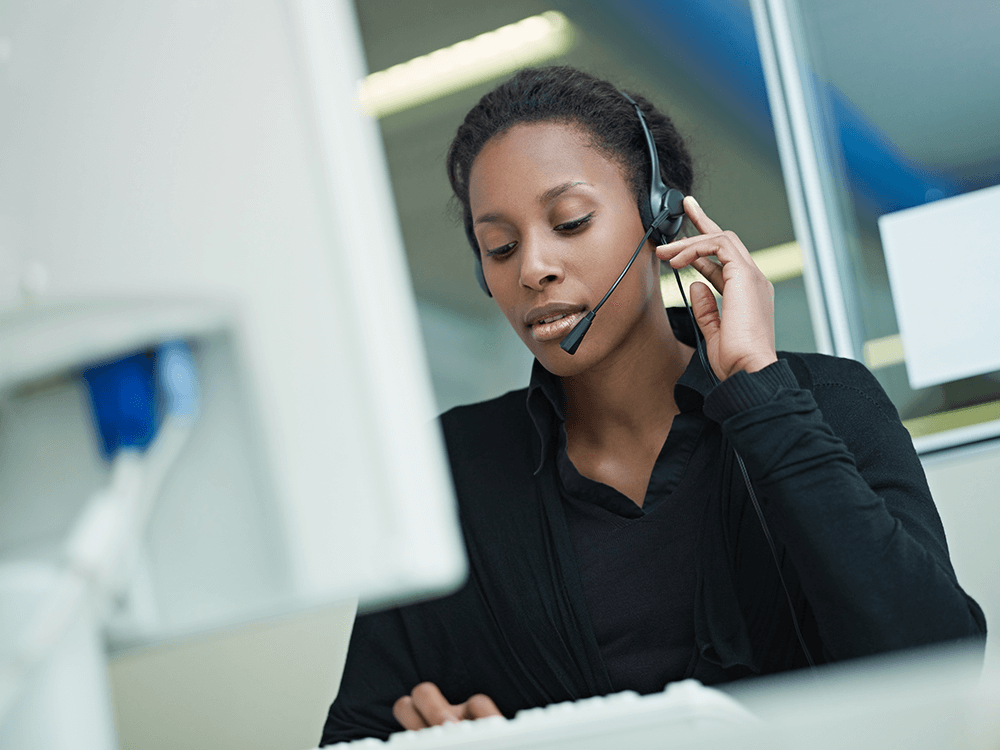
point(685, 711)
point(918, 700)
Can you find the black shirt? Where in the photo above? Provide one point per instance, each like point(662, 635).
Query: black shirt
point(859, 541)
point(637, 564)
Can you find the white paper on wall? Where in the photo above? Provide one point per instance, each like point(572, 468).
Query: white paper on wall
point(943, 260)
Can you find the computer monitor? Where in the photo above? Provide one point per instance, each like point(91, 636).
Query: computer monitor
point(200, 171)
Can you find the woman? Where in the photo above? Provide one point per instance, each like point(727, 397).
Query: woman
point(612, 539)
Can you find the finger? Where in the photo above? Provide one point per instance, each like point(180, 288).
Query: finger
point(725, 246)
point(705, 249)
point(711, 270)
point(407, 715)
point(705, 309)
point(432, 705)
point(666, 252)
point(480, 706)
point(698, 216)
point(719, 240)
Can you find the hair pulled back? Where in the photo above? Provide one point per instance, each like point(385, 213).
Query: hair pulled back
point(567, 95)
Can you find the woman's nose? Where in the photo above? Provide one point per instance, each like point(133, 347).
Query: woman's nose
point(540, 264)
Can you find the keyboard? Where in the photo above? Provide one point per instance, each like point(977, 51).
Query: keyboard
point(683, 713)
point(938, 698)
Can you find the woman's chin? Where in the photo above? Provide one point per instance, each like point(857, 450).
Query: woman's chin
point(558, 362)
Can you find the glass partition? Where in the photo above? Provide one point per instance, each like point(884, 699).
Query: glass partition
point(889, 129)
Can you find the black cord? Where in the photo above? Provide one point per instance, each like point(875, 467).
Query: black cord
point(739, 460)
point(622, 276)
point(746, 476)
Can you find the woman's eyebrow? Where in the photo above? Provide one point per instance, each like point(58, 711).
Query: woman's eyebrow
point(552, 193)
point(489, 218)
point(547, 197)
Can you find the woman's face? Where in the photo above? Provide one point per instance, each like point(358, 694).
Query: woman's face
point(556, 224)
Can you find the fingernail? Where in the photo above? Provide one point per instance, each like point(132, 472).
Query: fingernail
point(694, 201)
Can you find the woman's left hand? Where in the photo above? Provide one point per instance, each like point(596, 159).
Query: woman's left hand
point(742, 337)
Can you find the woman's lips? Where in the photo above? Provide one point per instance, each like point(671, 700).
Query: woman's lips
point(555, 329)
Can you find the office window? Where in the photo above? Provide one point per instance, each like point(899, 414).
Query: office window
point(900, 158)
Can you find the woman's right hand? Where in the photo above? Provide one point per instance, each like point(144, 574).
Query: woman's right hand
point(425, 707)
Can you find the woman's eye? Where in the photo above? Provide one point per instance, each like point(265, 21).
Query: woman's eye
point(569, 226)
point(500, 252)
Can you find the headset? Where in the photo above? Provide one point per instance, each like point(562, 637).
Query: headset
point(666, 209)
point(662, 218)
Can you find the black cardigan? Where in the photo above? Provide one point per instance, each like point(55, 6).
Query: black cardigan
point(862, 548)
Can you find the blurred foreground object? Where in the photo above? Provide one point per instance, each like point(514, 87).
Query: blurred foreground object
point(195, 217)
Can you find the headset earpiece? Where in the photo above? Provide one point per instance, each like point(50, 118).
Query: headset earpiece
point(668, 222)
point(664, 213)
point(481, 277)
point(666, 209)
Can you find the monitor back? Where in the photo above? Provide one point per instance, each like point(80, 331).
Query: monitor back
point(200, 171)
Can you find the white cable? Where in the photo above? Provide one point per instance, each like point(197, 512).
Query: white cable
point(99, 552)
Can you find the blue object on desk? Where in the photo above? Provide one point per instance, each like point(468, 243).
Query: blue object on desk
point(129, 396)
point(122, 396)
point(177, 378)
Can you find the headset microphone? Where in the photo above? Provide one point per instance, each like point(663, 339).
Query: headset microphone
point(665, 216)
point(572, 340)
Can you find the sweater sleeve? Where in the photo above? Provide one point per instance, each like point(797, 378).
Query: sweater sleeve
point(379, 669)
point(390, 652)
point(843, 490)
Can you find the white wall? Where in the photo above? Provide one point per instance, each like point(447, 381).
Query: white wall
point(266, 687)
point(966, 487)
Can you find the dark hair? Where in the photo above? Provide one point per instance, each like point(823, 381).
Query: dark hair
point(563, 94)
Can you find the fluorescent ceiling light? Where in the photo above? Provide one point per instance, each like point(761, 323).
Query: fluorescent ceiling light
point(884, 352)
point(953, 420)
point(465, 64)
point(779, 263)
